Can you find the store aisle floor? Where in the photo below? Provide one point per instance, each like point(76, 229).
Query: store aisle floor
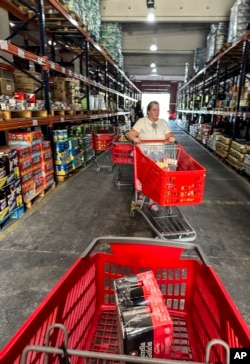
point(37, 250)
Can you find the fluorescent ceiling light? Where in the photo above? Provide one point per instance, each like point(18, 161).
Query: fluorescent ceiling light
point(151, 17)
point(154, 70)
point(153, 47)
point(12, 24)
point(153, 65)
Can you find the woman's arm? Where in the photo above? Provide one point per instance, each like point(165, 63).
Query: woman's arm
point(132, 135)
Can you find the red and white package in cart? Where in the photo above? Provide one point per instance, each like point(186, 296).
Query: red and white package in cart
point(145, 326)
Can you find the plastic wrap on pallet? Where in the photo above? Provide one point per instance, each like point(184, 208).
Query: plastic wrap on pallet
point(239, 19)
point(211, 41)
point(221, 35)
point(200, 56)
point(111, 39)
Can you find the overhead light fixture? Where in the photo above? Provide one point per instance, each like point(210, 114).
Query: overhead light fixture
point(153, 47)
point(154, 70)
point(12, 24)
point(151, 9)
point(152, 65)
point(150, 4)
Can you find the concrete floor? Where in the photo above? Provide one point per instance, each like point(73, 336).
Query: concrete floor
point(41, 246)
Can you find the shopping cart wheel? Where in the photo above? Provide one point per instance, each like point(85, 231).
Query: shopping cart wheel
point(132, 209)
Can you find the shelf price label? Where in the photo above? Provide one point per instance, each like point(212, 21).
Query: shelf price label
point(40, 60)
point(62, 119)
point(70, 73)
point(20, 53)
point(4, 44)
point(63, 70)
point(52, 65)
point(34, 122)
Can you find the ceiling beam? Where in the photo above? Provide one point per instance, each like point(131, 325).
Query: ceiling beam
point(166, 10)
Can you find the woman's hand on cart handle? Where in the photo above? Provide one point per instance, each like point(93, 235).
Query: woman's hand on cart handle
point(171, 139)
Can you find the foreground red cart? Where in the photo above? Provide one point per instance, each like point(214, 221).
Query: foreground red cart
point(78, 318)
point(168, 175)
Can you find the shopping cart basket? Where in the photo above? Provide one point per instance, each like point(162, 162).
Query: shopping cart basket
point(83, 302)
point(123, 157)
point(168, 175)
point(102, 138)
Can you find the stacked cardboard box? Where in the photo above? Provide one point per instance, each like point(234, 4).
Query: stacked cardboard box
point(35, 162)
point(237, 153)
point(10, 185)
point(222, 146)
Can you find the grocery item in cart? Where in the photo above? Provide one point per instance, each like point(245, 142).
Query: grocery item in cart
point(145, 327)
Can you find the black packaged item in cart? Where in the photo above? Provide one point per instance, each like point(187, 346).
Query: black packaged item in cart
point(144, 324)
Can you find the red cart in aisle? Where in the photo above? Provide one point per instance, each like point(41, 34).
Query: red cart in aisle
point(123, 157)
point(77, 321)
point(168, 175)
point(102, 138)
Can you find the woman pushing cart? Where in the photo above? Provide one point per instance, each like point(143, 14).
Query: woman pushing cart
point(165, 176)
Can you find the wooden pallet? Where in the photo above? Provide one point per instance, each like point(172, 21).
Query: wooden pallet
point(39, 196)
point(23, 114)
point(63, 178)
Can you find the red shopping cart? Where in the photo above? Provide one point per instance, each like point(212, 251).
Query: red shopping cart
point(167, 174)
point(102, 138)
point(77, 320)
point(123, 157)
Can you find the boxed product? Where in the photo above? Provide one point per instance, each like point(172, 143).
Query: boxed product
point(24, 138)
point(145, 328)
point(6, 87)
point(28, 190)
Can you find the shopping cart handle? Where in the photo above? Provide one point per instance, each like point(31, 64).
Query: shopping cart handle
point(104, 244)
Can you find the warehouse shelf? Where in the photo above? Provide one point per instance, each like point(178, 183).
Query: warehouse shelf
point(56, 24)
point(201, 98)
point(51, 120)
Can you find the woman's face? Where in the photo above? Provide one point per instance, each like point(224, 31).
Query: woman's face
point(153, 113)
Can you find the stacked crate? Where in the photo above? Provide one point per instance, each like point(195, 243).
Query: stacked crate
point(26, 84)
point(222, 146)
point(237, 153)
point(212, 140)
point(246, 164)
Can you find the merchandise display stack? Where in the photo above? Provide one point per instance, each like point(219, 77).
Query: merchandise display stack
point(237, 153)
point(222, 146)
point(35, 163)
point(111, 39)
point(11, 202)
point(68, 156)
point(83, 135)
point(239, 18)
point(212, 140)
point(204, 132)
point(246, 165)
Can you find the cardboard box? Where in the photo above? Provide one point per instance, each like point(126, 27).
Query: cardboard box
point(145, 328)
point(24, 138)
point(6, 87)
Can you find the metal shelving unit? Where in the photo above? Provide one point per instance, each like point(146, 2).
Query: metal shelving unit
point(230, 66)
point(68, 31)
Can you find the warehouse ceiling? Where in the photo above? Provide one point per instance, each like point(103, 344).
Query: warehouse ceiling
point(180, 27)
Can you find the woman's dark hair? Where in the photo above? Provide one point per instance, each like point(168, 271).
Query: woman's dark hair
point(151, 104)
